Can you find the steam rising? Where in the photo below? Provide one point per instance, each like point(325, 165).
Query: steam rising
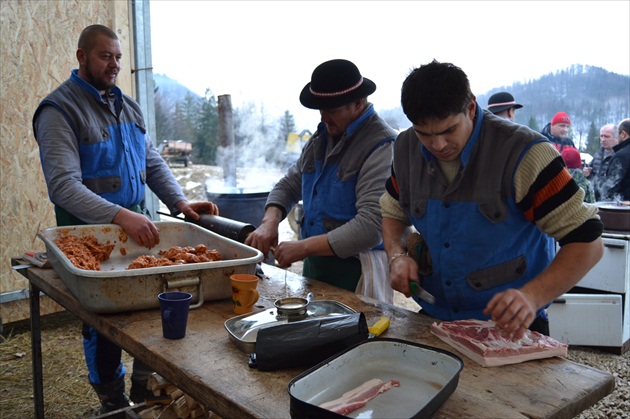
point(256, 158)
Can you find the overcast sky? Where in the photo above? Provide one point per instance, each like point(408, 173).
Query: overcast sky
point(263, 52)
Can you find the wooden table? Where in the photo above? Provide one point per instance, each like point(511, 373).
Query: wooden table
point(211, 369)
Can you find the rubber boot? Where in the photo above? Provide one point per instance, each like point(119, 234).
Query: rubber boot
point(139, 391)
point(111, 395)
point(139, 380)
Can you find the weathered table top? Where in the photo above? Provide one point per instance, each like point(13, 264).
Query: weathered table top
point(211, 369)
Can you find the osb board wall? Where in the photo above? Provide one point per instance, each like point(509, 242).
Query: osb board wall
point(38, 42)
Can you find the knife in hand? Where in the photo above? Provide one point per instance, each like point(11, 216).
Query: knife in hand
point(420, 292)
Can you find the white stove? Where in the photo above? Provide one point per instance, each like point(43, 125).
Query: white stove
point(597, 311)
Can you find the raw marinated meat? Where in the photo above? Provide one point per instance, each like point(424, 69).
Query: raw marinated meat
point(150, 261)
point(84, 252)
point(177, 256)
point(490, 346)
point(358, 397)
point(188, 254)
point(87, 253)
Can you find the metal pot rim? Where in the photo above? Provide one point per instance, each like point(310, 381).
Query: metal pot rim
point(612, 205)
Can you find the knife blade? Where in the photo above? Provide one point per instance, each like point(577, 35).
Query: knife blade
point(420, 292)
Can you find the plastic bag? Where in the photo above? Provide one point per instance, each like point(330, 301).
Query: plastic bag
point(308, 342)
point(375, 281)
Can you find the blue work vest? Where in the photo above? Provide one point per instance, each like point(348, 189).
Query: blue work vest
point(480, 242)
point(112, 143)
point(329, 183)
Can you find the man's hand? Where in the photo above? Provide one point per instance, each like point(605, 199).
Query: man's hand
point(193, 209)
point(138, 226)
point(266, 236)
point(402, 270)
point(515, 309)
point(512, 310)
point(288, 252)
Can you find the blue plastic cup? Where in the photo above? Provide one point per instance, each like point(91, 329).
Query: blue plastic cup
point(174, 307)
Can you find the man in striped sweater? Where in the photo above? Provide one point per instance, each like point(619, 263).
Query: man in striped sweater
point(490, 199)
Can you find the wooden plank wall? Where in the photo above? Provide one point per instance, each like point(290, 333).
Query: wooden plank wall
point(38, 42)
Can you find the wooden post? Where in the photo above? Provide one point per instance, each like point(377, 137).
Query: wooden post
point(226, 136)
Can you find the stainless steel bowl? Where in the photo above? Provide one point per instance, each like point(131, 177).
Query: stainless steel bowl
point(293, 306)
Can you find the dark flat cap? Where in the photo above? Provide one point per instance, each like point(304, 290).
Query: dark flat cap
point(501, 101)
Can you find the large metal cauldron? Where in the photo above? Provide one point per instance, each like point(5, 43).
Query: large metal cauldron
point(241, 204)
point(615, 215)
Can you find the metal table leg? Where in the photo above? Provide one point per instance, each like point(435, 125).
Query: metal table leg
point(36, 352)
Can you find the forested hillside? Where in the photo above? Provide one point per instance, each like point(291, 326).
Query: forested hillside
point(590, 95)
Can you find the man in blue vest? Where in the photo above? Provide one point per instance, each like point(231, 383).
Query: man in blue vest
point(339, 175)
point(490, 198)
point(97, 160)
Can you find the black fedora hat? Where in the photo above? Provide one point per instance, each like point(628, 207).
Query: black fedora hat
point(501, 101)
point(335, 83)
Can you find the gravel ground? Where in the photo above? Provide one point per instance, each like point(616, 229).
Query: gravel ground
point(617, 404)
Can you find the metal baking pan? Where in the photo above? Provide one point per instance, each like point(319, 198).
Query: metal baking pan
point(115, 289)
point(428, 376)
point(243, 329)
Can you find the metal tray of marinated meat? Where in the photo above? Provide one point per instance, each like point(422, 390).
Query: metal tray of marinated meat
point(243, 329)
point(116, 289)
point(427, 377)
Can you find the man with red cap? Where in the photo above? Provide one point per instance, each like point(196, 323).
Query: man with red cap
point(557, 131)
point(340, 176)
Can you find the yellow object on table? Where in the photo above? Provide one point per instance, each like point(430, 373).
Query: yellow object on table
point(379, 327)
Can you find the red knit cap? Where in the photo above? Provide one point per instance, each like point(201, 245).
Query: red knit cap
point(572, 158)
point(561, 118)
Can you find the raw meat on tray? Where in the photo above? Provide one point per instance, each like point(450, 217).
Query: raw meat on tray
point(489, 346)
point(359, 396)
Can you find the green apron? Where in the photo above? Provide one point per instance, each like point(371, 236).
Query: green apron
point(64, 218)
point(342, 273)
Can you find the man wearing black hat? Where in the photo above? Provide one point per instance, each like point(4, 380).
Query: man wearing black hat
point(503, 104)
point(339, 176)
